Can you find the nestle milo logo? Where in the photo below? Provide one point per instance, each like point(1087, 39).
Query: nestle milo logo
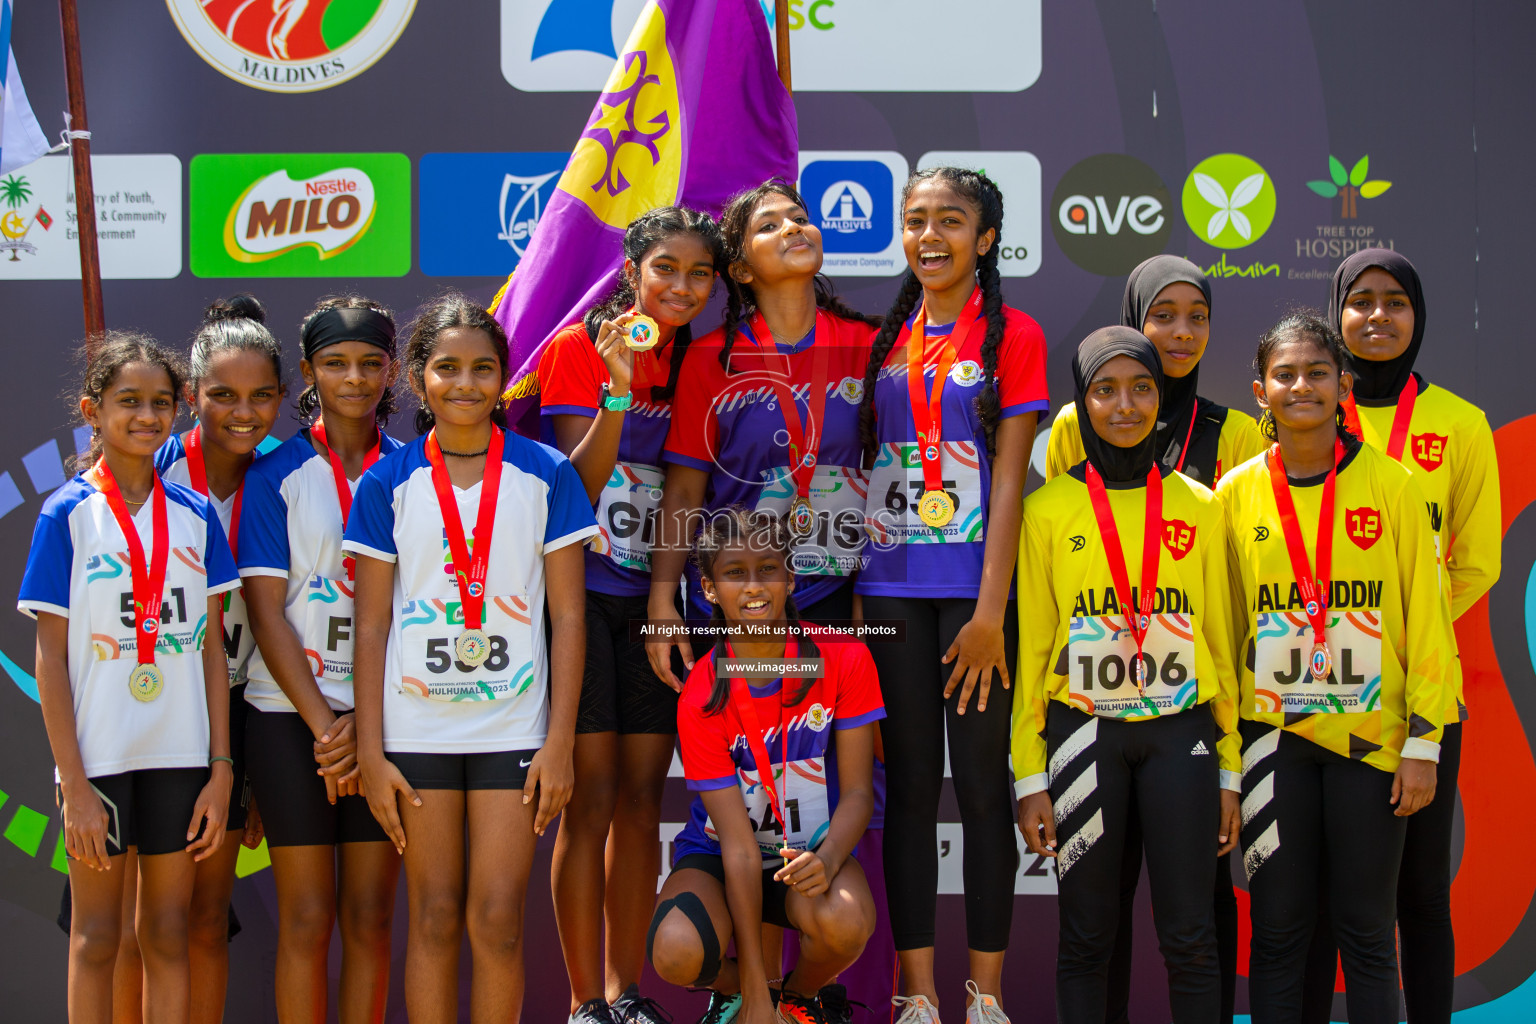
point(278, 214)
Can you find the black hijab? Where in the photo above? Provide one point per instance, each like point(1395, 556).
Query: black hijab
point(1116, 465)
point(1141, 290)
point(1379, 380)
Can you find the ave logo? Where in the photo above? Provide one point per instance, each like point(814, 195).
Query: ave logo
point(1110, 212)
point(1429, 450)
point(1363, 526)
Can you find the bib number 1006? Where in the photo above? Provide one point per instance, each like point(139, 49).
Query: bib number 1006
point(440, 657)
point(1110, 671)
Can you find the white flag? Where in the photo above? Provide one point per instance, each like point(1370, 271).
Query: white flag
point(21, 140)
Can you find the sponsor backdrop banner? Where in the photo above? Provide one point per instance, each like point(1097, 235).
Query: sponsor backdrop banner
point(396, 148)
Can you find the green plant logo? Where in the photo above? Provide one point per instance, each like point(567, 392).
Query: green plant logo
point(1229, 201)
point(15, 191)
point(1349, 186)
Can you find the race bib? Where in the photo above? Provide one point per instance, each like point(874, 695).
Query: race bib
point(328, 628)
point(838, 496)
point(183, 616)
point(428, 662)
point(1101, 654)
point(1283, 681)
point(896, 485)
point(804, 785)
point(627, 513)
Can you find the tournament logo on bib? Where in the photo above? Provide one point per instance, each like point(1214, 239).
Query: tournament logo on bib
point(816, 717)
point(966, 372)
point(291, 45)
point(1363, 526)
point(1178, 537)
point(852, 390)
point(1429, 450)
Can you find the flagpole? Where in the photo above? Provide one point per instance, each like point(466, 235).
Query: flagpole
point(85, 191)
point(781, 41)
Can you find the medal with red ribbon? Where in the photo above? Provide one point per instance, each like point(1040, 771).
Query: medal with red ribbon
point(469, 569)
point(1313, 589)
point(1184, 451)
point(343, 487)
point(936, 507)
point(804, 436)
point(746, 712)
point(1398, 439)
point(1138, 616)
point(146, 681)
point(198, 471)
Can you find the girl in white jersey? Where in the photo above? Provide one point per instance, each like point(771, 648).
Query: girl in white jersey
point(465, 733)
point(125, 579)
point(330, 859)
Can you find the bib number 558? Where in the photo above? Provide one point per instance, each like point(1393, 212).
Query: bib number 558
point(440, 657)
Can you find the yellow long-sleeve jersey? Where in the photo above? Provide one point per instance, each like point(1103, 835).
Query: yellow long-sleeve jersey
point(1449, 450)
point(1074, 645)
point(1238, 440)
point(1388, 629)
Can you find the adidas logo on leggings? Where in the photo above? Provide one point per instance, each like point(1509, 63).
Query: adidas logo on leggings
point(1201, 748)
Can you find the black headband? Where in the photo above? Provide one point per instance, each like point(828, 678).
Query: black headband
point(335, 326)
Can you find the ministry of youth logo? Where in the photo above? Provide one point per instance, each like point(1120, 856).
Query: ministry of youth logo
point(847, 207)
point(527, 196)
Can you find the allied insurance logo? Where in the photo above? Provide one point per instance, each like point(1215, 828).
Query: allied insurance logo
point(301, 215)
point(1109, 212)
point(852, 198)
point(478, 211)
point(291, 45)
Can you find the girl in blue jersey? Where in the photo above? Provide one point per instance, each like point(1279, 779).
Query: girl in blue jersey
point(465, 730)
point(125, 578)
point(768, 846)
point(330, 860)
point(608, 408)
point(944, 510)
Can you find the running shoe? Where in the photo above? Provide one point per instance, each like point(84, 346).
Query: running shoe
point(983, 1008)
point(836, 1007)
point(722, 1009)
point(593, 1011)
point(915, 1010)
point(633, 1008)
point(797, 1009)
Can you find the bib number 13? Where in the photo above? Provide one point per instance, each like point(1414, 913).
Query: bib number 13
point(440, 657)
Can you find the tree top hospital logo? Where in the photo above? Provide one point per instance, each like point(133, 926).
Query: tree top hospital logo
point(1229, 201)
point(291, 45)
point(1109, 212)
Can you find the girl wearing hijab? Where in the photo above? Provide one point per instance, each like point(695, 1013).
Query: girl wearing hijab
point(1126, 688)
point(1168, 299)
point(1444, 441)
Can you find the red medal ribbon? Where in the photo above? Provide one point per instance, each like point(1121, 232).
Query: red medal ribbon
point(1184, 451)
point(927, 412)
point(148, 580)
point(1400, 419)
point(804, 437)
point(1313, 589)
point(1139, 619)
point(469, 570)
point(343, 487)
point(199, 473)
point(746, 712)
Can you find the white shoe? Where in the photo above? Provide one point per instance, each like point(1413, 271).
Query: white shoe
point(983, 1008)
point(916, 1010)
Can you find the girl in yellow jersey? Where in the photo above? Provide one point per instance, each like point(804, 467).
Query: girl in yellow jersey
point(1168, 299)
point(1343, 676)
point(1126, 690)
point(1444, 441)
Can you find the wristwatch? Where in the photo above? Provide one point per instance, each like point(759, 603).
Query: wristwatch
point(617, 404)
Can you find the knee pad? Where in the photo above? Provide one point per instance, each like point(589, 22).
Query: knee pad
point(693, 909)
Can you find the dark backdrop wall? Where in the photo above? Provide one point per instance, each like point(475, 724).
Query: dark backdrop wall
point(1323, 100)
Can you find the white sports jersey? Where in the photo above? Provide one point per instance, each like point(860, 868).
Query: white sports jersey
point(79, 568)
point(432, 703)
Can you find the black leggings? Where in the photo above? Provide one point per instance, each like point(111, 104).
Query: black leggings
point(1317, 825)
point(1424, 932)
point(1170, 766)
point(917, 720)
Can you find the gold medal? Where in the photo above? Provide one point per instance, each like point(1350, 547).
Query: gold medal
point(1322, 661)
point(146, 682)
point(472, 647)
point(641, 333)
point(802, 518)
point(936, 508)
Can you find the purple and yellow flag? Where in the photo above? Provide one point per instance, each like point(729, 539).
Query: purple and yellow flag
point(692, 112)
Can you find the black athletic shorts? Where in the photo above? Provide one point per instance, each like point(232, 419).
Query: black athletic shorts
point(149, 808)
point(619, 692)
point(775, 894)
point(290, 794)
point(501, 769)
point(240, 789)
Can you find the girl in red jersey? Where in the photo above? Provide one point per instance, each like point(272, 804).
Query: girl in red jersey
point(771, 845)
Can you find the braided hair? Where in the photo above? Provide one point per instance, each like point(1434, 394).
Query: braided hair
point(987, 199)
point(1302, 325)
point(309, 398)
point(645, 233)
point(740, 301)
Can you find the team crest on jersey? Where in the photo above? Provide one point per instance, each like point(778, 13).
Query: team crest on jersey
point(816, 717)
point(966, 372)
point(852, 390)
point(1178, 537)
point(1363, 526)
point(1428, 450)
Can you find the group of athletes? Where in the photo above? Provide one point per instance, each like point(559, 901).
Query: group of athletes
point(1201, 633)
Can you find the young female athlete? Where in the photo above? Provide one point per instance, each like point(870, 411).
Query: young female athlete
point(944, 507)
point(235, 390)
point(1343, 676)
point(607, 406)
point(1128, 691)
point(465, 729)
point(1168, 299)
point(766, 415)
point(331, 861)
point(768, 845)
point(125, 578)
point(1444, 441)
